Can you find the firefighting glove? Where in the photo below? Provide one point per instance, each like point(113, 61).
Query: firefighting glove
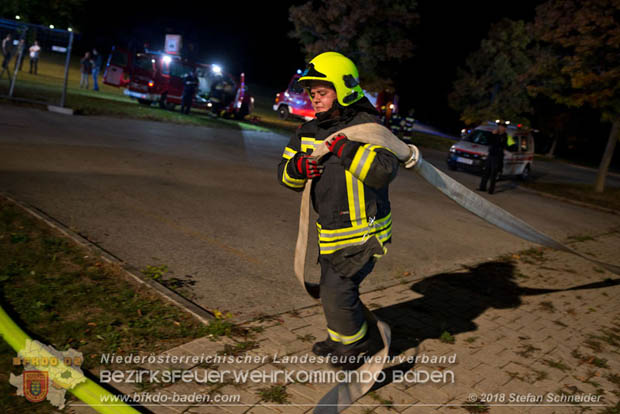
point(336, 144)
point(307, 166)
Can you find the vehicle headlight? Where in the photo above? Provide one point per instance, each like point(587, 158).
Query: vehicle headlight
point(452, 149)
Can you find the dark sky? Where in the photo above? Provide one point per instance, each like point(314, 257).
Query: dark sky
point(253, 37)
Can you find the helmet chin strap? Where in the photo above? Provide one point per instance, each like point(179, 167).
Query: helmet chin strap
point(333, 112)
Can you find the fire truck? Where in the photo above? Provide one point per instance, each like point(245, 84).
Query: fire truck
point(153, 77)
point(294, 101)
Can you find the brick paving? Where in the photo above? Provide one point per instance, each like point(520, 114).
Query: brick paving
point(541, 324)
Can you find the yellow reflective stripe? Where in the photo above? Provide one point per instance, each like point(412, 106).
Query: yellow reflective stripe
point(350, 197)
point(367, 164)
point(290, 181)
point(361, 201)
point(359, 155)
point(348, 339)
point(329, 245)
point(329, 248)
point(308, 143)
point(355, 196)
point(288, 153)
point(363, 160)
point(346, 229)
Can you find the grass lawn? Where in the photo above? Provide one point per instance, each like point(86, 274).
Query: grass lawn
point(63, 296)
point(585, 193)
point(423, 140)
point(108, 101)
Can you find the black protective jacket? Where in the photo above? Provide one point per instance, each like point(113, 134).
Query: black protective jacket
point(497, 143)
point(351, 196)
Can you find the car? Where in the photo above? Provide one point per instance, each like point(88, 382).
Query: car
point(470, 153)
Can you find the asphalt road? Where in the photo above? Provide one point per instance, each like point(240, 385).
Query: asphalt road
point(206, 203)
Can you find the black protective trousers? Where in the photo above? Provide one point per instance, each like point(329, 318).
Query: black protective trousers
point(492, 169)
point(341, 299)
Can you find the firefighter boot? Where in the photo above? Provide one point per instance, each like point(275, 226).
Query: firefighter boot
point(326, 347)
point(351, 357)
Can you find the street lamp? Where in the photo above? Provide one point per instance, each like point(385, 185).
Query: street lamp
point(51, 26)
point(18, 17)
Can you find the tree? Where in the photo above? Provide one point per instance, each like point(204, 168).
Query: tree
point(376, 35)
point(579, 61)
point(493, 83)
point(62, 14)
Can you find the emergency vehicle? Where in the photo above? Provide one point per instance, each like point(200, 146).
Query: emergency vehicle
point(157, 77)
point(470, 153)
point(294, 101)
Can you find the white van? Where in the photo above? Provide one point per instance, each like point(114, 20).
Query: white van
point(470, 153)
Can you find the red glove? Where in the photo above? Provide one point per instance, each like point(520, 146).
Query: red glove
point(337, 143)
point(308, 166)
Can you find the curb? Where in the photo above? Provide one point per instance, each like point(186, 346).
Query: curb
point(130, 272)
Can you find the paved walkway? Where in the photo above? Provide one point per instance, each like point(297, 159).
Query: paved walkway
point(537, 332)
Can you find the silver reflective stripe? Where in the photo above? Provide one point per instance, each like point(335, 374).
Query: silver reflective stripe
point(362, 163)
point(359, 220)
point(288, 153)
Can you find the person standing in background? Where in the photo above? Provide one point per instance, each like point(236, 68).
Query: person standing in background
point(495, 158)
point(7, 52)
point(35, 51)
point(190, 83)
point(19, 59)
point(98, 60)
point(86, 68)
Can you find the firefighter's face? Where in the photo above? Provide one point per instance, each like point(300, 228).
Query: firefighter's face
point(322, 95)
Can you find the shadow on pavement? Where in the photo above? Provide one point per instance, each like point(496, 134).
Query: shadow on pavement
point(451, 302)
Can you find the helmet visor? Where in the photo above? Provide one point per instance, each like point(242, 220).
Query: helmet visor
point(312, 72)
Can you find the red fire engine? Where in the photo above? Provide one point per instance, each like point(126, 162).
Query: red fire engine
point(294, 101)
point(157, 77)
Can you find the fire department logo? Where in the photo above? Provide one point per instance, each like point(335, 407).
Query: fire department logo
point(47, 373)
point(35, 385)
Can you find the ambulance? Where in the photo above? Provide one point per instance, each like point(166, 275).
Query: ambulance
point(470, 153)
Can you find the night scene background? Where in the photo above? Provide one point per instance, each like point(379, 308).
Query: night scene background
point(255, 38)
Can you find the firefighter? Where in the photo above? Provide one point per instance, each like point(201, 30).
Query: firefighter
point(495, 158)
point(190, 83)
point(408, 127)
point(350, 194)
point(396, 125)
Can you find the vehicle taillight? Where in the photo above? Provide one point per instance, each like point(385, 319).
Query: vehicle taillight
point(151, 84)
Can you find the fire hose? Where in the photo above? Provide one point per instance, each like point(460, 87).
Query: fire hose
point(344, 394)
point(87, 390)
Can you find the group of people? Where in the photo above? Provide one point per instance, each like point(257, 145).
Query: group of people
point(9, 50)
point(90, 64)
